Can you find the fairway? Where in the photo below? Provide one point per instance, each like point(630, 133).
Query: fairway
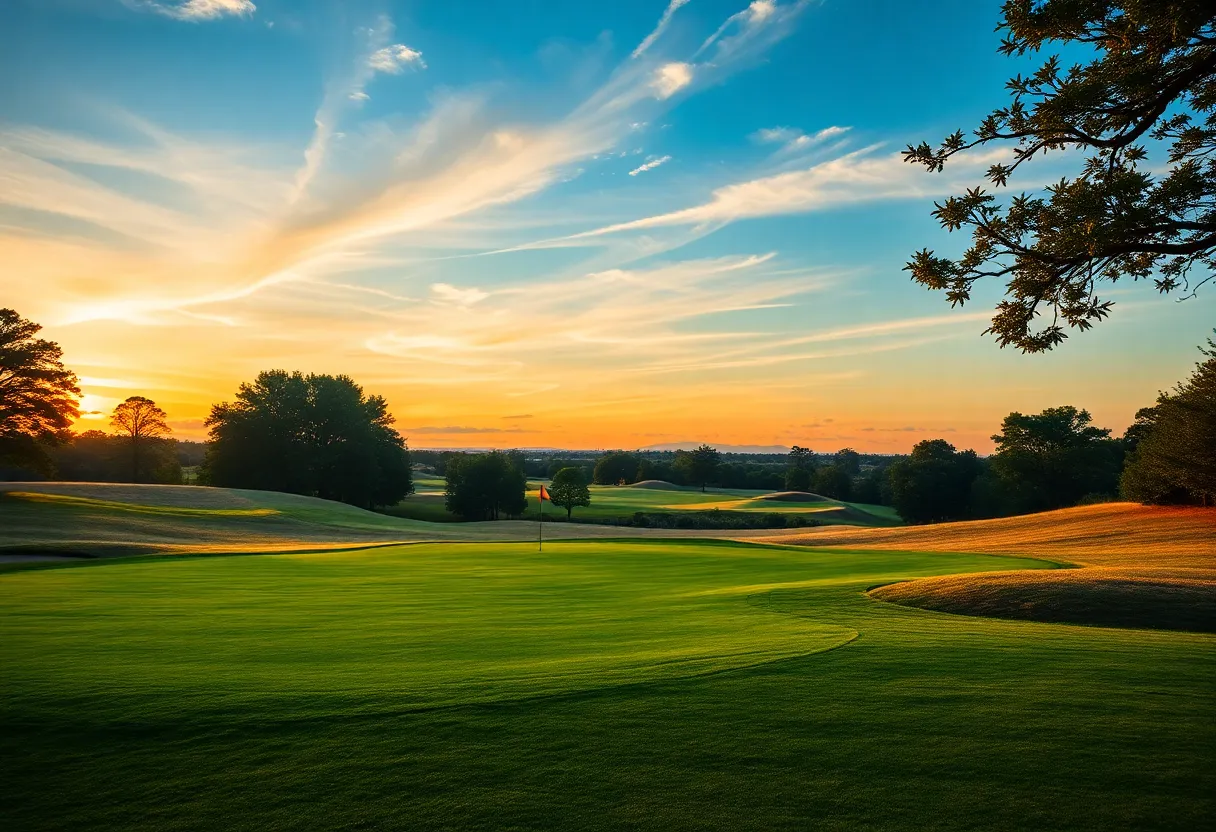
point(597, 685)
point(611, 503)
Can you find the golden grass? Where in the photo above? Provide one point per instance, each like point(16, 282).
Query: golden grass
point(1144, 566)
point(1110, 534)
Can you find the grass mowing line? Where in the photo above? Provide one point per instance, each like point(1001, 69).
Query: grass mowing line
point(137, 508)
point(1034, 725)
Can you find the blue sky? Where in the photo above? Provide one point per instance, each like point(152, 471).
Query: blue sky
point(532, 223)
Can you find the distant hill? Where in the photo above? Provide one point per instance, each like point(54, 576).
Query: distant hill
point(689, 444)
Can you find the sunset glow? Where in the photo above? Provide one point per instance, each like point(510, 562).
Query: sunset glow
point(618, 226)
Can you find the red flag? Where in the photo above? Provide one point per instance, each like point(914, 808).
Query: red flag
point(544, 495)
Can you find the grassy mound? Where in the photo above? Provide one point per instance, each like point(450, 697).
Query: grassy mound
point(1109, 534)
point(1149, 566)
point(795, 497)
point(1097, 597)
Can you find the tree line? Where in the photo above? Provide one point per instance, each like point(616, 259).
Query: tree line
point(324, 436)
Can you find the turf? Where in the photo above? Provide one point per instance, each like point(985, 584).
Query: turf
point(599, 685)
point(100, 520)
point(612, 502)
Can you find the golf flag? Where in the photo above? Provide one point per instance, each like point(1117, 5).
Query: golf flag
point(544, 495)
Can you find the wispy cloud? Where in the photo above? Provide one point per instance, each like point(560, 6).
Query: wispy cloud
point(197, 10)
point(651, 165)
point(663, 23)
point(394, 59)
point(670, 78)
point(861, 176)
point(793, 140)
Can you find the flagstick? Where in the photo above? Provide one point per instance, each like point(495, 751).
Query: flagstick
point(540, 524)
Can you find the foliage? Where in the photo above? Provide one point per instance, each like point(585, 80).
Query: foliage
point(802, 458)
point(797, 479)
point(616, 468)
point(1153, 75)
point(933, 484)
point(485, 486)
point(698, 466)
point(849, 461)
point(833, 481)
point(318, 435)
point(38, 395)
point(137, 421)
point(1173, 459)
point(93, 456)
point(1054, 458)
point(568, 489)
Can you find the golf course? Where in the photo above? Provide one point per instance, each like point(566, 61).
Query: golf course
point(195, 658)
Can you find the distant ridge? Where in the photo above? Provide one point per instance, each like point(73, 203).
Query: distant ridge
point(688, 445)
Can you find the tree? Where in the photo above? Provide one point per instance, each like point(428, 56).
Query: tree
point(801, 469)
point(1173, 459)
point(797, 479)
point(1052, 459)
point(933, 484)
point(484, 486)
point(834, 482)
point(849, 461)
point(802, 458)
point(1153, 76)
point(318, 435)
point(139, 421)
point(699, 465)
point(568, 489)
point(38, 395)
point(616, 467)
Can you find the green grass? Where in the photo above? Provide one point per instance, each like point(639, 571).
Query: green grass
point(611, 502)
point(605, 685)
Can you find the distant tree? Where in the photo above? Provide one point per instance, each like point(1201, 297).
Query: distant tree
point(1053, 459)
point(797, 479)
point(1152, 75)
point(139, 422)
point(38, 395)
point(616, 467)
point(699, 465)
point(484, 486)
point(873, 487)
point(933, 484)
point(569, 489)
point(849, 461)
point(802, 458)
point(318, 435)
point(833, 481)
point(94, 456)
point(1172, 455)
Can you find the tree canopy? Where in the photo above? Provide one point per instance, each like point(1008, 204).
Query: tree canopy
point(1152, 76)
point(1052, 459)
point(1174, 455)
point(699, 465)
point(933, 483)
point(485, 486)
point(616, 467)
point(568, 489)
point(38, 395)
point(316, 434)
point(138, 421)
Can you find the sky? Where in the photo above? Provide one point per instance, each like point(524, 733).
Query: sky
point(536, 223)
